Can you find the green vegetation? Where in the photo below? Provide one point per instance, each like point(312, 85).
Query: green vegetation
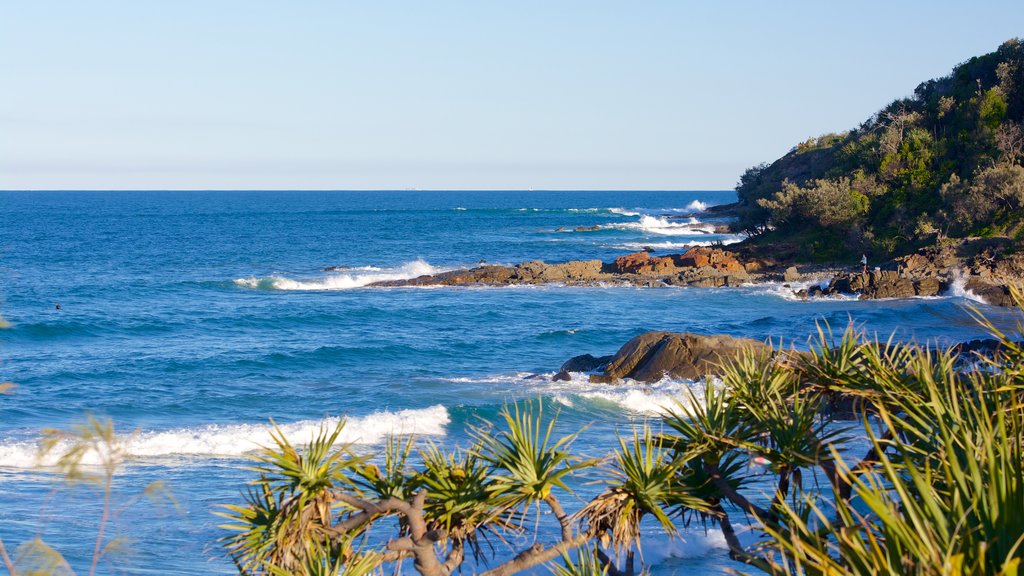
point(855, 457)
point(945, 162)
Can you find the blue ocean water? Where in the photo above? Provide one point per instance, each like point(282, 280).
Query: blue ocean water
point(192, 318)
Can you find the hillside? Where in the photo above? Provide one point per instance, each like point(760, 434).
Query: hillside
point(941, 165)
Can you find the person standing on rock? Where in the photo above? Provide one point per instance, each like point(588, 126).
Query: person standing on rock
point(864, 262)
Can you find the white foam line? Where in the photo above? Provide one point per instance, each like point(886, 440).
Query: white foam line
point(343, 281)
point(226, 440)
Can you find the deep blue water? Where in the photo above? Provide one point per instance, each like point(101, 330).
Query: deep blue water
point(193, 318)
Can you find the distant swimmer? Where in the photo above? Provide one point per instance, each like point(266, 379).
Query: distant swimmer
point(56, 305)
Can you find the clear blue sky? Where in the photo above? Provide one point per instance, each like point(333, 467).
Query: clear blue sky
point(146, 94)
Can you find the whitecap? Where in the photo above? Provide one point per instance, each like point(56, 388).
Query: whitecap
point(354, 278)
point(623, 212)
point(665, 227)
point(233, 440)
point(697, 206)
point(664, 246)
point(649, 399)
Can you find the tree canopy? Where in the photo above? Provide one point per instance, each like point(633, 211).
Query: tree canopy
point(942, 163)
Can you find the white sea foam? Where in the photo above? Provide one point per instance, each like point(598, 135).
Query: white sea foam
point(697, 206)
point(666, 227)
point(958, 289)
point(230, 440)
point(623, 212)
point(354, 278)
point(663, 246)
point(637, 397)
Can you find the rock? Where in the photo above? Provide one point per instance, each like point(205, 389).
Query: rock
point(882, 284)
point(561, 376)
point(582, 269)
point(586, 228)
point(603, 379)
point(651, 356)
point(791, 275)
point(994, 294)
point(928, 287)
point(584, 363)
point(644, 264)
point(703, 257)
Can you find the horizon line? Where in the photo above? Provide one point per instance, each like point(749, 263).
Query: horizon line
point(365, 190)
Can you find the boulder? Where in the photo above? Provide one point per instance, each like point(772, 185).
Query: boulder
point(994, 294)
point(642, 263)
point(791, 275)
point(928, 287)
point(651, 356)
point(883, 284)
point(584, 363)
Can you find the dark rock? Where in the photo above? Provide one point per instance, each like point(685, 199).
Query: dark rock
point(995, 294)
point(603, 379)
point(561, 376)
point(584, 363)
point(651, 356)
point(586, 228)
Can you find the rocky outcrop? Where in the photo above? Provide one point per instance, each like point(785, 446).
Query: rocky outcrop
point(884, 284)
point(700, 266)
point(994, 294)
point(654, 355)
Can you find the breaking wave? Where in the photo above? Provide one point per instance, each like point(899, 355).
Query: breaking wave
point(697, 206)
point(232, 440)
point(666, 227)
point(958, 289)
point(635, 397)
point(665, 246)
point(354, 278)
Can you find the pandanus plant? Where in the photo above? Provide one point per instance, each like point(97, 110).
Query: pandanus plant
point(940, 489)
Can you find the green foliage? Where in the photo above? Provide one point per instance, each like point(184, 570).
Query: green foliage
point(960, 126)
point(938, 492)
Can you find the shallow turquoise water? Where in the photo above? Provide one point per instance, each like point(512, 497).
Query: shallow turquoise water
point(193, 317)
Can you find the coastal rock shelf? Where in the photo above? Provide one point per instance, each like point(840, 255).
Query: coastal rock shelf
point(700, 266)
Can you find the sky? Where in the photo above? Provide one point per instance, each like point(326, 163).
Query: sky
point(638, 95)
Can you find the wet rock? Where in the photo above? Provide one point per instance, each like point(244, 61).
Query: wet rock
point(883, 284)
point(584, 363)
point(791, 275)
point(994, 294)
point(651, 356)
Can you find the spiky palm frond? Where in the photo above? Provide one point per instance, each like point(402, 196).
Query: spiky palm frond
point(93, 443)
point(940, 497)
point(292, 505)
point(395, 478)
point(642, 480)
point(586, 563)
point(459, 501)
point(707, 425)
point(527, 462)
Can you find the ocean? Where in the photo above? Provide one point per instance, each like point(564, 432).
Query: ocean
point(193, 318)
